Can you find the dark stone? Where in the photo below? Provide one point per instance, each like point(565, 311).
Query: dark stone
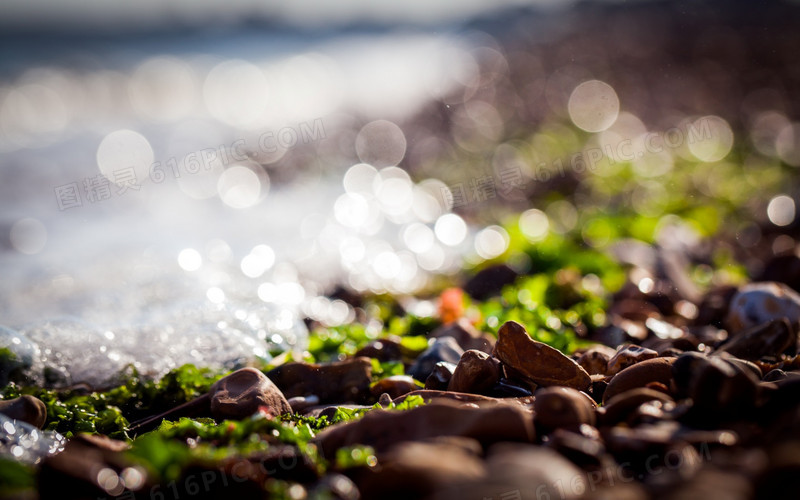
point(476, 372)
point(714, 307)
point(587, 453)
point(719, 389)
point(442, 349)
point(620, 406)
point(417, 469)
point(505, 388)
point(773, 338)
point(522, 471)
point(562, 407)
point(440, 377)
point(490, 281)
point(783, 269)
point(382, 350)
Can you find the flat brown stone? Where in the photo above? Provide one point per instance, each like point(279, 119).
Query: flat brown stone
point(537, 361)
point(639, 375)
point(382, 429)
point(332, 383)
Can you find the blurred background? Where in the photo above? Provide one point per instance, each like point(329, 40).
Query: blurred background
point(195, 182)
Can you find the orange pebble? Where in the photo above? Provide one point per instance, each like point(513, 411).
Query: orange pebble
point(451, 305)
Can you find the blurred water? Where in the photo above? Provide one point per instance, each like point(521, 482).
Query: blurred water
point(143, 216)
point(27, 444)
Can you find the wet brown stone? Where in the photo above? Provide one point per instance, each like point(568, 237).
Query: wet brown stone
point(769, 339)
point(89, 467)
point(395, 386)
point(595, 359)
point(620, 406)
point(382, 429)
point(639, 375)
point(243, 393)
point(25, 408)
point(627, 356)
point(537, 361)
point(440, 377)
point(418, 469)
point(562, 407)
point(382, 350)
point(333, 383)
point(522, 471)
point(476, 372)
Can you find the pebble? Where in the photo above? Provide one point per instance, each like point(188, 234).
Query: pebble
point(562, 407)
point(639, 375)
point(26, 408)
point(395, 386)
point(442, 349)
point(595, 359)
point(537, 361)
point(768, 339)
point(627, 356)
point(757, 303)
point(245, 392)
point(338, 382)
point(91, 468)
point(418, 469)
point(490, 281)
point(476, 372)
point(440, 377)
point(620, 406)
point(382, 350)
point(719, 389)
point(300, 403)
point(382, 429)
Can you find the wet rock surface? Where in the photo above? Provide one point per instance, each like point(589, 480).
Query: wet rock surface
point(595, 359)
point(536, 361)
point(772, 339)
point(627, 356)
point(332, 383)
point(639, 375)
point(25, 408)
point(442, 349)
point(441, 375)
point(476, 372)
point(383, 429)
point(562, 407)
point(243, 393)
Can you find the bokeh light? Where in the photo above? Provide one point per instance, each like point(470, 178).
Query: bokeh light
point(593, 106)
point(781, 210)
